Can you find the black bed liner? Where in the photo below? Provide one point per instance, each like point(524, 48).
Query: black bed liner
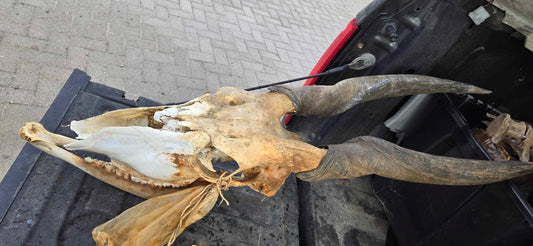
point(46, 201)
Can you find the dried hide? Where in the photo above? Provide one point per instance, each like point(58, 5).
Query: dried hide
point(159, 220)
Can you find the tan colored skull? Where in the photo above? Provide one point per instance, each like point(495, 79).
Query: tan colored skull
point(156, 151)
point(174, 146)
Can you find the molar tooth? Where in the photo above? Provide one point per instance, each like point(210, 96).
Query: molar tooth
point(184, 124)
point(173, 125)
point(196, 109)
point(164, 115)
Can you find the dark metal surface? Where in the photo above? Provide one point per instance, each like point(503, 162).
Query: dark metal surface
point(445, 44)
point(441, 215)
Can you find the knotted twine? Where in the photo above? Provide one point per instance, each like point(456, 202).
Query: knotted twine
point(222, 183)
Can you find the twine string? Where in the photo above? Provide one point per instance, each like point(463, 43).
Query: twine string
point(223, 183)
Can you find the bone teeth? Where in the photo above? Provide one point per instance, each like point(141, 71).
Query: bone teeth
point(138, 180)
point(172, 125)
point(122, 174)
point(196, 109)
point(164, 115)
point(108, 169)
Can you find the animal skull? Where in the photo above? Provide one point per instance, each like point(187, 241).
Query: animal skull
point(174, 146)
point(156, 151)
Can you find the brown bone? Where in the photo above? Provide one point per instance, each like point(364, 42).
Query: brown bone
point(516, 135)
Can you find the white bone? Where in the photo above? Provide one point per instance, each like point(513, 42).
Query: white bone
point(198, 108)
point(163, 115)
point(142, 148)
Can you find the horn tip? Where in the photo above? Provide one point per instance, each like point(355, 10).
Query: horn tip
point(477, 90)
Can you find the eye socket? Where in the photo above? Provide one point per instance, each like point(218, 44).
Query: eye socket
point(228, 166)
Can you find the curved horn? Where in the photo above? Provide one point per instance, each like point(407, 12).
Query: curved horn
point(331, 100)
point(369, 155)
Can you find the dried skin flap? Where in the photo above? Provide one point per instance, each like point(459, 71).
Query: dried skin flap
point(154, 221)
point(121, 117)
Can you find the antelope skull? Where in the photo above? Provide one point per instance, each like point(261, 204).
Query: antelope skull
point(166, 153)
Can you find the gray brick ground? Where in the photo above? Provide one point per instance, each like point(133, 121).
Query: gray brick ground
point(153, 47)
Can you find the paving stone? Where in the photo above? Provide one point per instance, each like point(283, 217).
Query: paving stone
point(175, 69)
point(150, 71)
point(77, 57)
point(220, 56)
point(149, 4)
point(141, 43)
point(164, 44)
point(148, 32)
point(14, 115)
point(167, 4)
point(176, 23)
point(138, 10)
point(42, 57)
point(180, 56)
point(21, 14)
point(57, 43)
point(97, 72)
point(13, 95)
point(196, 71)
point(39, 28)
point(116, 44)
point(6, 78)
point(185, 5)
point(134, 56)
point(47, 91)
point(27, 76)
point(201, 56)
point(15, 40)
point(89, 44)
point(158, 56)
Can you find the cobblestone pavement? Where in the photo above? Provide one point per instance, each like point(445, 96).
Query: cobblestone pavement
point(166, 50)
